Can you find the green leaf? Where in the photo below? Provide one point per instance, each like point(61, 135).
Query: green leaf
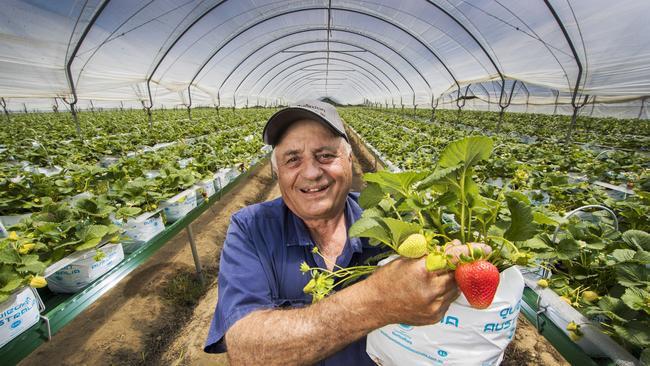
point(468, 151)
point(543, 219)
point(12, 284)
point(638, 239)
point(399, 230)
point(126, 212)
point(521, 220)
point(629, 274)
point(89, 244)
point(368, 227)
point(535, 243)
point(568, 248)
point(92, 232)
point(9, 256)
point(635, 332)
point(623, 255)
point(372, 212)
point(635, 298)
point(642, 257)
point(615, 309)
point(438, 176)
point(371, 196)
point(395, 182)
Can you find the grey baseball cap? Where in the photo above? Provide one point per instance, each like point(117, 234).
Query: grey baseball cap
point(307, 109)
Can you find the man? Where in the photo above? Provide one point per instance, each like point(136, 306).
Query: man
point(262, 315)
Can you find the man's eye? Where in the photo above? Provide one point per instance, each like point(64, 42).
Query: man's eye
point(292, 160)
point(325, 157)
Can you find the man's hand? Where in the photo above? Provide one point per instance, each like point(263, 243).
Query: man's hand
point(408, 293)
point(456, 248)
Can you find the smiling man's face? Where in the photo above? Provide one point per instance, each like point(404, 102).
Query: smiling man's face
point(314, 170)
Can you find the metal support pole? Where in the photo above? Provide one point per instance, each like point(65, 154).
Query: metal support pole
point(25, 108)
point(458, 101)
point(557, 98)
point(147, 109)
point(593, 104)
point(121, 106)
point(641, 109)
point(92, 106)
point(195, 254)
point(504, 106)
point(55, 106)
point(574, 118)
point(73, 110)
point(415, 107)
point(4, 107)
point(433, 107)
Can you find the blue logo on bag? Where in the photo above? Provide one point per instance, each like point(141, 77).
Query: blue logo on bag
point(451, 320)
point(16, 324)
point(509, 311)
point(442, 353)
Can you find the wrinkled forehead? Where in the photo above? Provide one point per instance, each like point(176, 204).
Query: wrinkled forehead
point(308, 133)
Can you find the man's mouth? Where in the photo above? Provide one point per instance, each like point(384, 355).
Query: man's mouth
point(315, 189)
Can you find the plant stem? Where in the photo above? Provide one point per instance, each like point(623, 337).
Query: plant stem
point(462, 207)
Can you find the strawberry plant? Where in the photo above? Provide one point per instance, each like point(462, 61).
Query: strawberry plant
point(604, 274)
point(414, 214)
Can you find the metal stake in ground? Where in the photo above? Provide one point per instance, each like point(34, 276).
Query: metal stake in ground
point(195, 254)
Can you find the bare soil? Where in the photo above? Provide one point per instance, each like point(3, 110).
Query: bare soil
point(159, 315)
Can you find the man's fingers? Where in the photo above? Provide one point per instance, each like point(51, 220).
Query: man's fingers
point(456, 250)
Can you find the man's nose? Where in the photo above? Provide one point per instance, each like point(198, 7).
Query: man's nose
point(312, 169)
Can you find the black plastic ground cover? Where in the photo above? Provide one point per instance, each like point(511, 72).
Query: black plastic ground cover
point(61, 309)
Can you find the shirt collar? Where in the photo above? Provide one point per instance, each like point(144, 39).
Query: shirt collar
point(296, 232)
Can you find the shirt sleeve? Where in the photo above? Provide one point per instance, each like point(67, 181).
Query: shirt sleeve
point(243, 286)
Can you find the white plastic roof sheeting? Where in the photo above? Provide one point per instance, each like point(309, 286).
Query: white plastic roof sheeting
point(249, 52)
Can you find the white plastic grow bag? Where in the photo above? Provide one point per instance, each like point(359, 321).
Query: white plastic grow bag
point(11, 220)
point(207, 187)
point(83, 269)
point(465, 336)
point(18, 313)
point(140, 229)
point(594, 342)
point(180, 205)
point(108, 160)
point(224, 176)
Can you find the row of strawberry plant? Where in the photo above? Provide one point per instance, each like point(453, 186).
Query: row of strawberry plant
point(619, 133)
point(557, 176)
point(61, 224)
point(600, 271)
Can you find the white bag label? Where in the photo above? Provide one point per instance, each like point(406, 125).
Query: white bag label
point(178, 209)
point(85, 270)
point(141, 231)
point(18, 314)
point(464, 336)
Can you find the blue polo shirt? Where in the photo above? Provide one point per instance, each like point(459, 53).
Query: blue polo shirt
point(260, 269)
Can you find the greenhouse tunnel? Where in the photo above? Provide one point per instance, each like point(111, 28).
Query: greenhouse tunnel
point(548, 80)
point(207, 53)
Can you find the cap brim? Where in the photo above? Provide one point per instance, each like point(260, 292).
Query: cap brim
point(282, 119)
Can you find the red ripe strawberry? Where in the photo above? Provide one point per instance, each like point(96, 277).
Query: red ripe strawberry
point(478, 280)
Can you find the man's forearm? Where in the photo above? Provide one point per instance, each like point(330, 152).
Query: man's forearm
point(304, 335)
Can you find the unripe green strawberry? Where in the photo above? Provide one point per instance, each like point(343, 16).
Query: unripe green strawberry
point(565, 299)
point(590, 296)
point(415, 246)
point(435, 262)
point(38, 282)
point(478, 280)
point(542, 283)
point(572, 326)
point(575, 335)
